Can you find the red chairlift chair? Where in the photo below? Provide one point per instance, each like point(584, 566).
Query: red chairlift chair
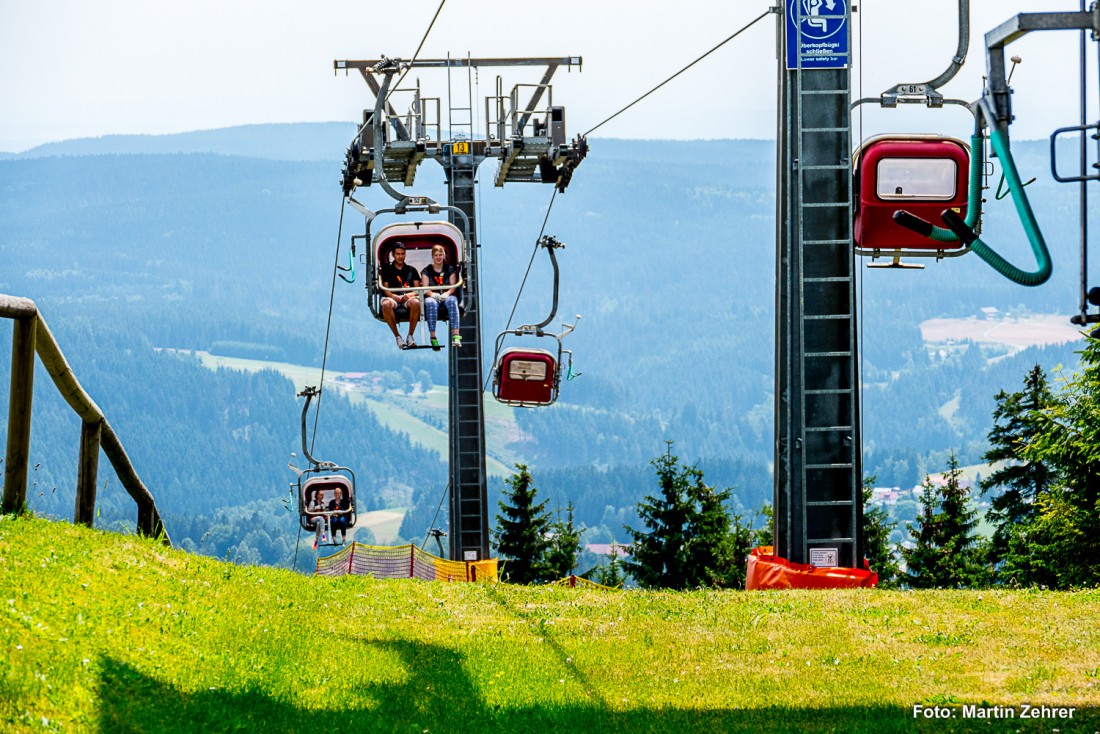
point(919, 174)
point(526, 377)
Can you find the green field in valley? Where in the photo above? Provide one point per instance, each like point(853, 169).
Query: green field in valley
point(409, 414)
point(106, 633)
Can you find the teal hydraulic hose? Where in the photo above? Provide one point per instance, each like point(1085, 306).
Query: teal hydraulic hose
point(1027, 218)
point(974, 193)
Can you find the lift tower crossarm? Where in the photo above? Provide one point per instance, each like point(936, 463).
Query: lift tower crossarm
point(1015, 28)
point(342, 65)
point(367, 67)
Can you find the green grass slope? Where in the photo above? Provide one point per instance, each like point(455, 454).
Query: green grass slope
point(107, 633)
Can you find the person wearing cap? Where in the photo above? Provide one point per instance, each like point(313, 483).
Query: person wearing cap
point(400, 275)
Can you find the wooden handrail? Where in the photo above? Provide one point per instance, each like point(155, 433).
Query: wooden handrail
point(31, 335)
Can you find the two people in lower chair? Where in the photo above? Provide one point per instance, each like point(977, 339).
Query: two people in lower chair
point(441, 281)
point(329, 518)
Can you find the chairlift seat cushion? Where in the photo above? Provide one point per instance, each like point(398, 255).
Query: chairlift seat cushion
point(921, 175)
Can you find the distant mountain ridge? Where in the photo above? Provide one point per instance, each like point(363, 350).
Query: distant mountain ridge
point(304, 141)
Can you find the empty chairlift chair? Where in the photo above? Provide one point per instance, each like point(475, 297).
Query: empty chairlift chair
point(904, 181)
point(525, 377)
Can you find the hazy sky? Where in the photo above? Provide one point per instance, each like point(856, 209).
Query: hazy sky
point(76, 68)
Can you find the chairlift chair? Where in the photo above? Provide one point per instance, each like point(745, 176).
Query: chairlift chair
point(322, 477)
point(418, 238)
point(921, 175)
point(527, 378)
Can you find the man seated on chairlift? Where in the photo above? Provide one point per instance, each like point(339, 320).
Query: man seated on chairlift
point(400, 274)
point(340, 504)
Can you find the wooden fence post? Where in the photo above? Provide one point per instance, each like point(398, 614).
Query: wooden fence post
point(19, 413)
point(87, 472)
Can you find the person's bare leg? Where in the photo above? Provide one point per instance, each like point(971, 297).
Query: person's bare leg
point(387, 314)
point(414, 314)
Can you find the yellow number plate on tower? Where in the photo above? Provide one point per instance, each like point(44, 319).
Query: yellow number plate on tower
point(461, 149)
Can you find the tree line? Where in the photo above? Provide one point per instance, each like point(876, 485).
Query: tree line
point(1045, 511)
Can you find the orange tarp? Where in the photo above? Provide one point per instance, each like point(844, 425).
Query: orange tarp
point(767, 571)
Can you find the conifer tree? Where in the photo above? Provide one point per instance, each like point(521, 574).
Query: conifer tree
point(1021, 482)
point(765, 534)
point(688, 542)
point(743, 538)
point(876, 539)
point(709, 545)
point(563, 548)
point(1063, 539)
point(611, 574)
point(659, 557)
point(945, 552)
point(522, 524)
point(922, 561)
point(958, 538)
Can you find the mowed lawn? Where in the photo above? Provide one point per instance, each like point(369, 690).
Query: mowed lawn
point(106, 633)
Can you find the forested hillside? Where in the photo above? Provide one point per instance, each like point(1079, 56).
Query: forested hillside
point(224, 241)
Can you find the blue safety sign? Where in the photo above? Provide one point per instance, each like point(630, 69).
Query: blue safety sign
point(817, 34)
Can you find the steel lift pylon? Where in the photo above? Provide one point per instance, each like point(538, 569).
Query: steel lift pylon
point(818, 472)
point(528, 139)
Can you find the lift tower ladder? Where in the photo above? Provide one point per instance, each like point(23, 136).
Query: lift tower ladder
point(535, 153)
point(818, 487)
point(469, 510)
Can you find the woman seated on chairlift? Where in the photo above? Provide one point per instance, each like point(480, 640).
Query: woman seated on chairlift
point(317, 519)
point(342, 518)
point(442, 279)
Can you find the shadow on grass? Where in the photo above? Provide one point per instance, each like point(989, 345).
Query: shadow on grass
point(439, 696)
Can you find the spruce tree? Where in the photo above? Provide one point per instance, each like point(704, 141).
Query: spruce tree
point(922, 561)
point(688, 542)
point(611, 574)
point(520, 537)
point(877, 548)
point(563, 548)
point(1021, 482)
point(709, 546)
point(958, 540)
point(1064, 537)
point(658, 558)
point(743, 538)
point(945, 552)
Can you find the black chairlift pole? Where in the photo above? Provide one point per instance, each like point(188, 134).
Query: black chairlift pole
point(818, 484)
point(527, 153)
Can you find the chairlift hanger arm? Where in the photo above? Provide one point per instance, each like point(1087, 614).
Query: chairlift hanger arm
point(382, 97)
point(960, 53)
point(928, 93)
point(309, 392)
point(1016, 27)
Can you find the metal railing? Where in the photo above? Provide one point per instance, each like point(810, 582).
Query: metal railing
point(29, 336)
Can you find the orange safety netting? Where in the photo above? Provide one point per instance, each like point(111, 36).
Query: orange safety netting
point(768, 571)
point(403, 562)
